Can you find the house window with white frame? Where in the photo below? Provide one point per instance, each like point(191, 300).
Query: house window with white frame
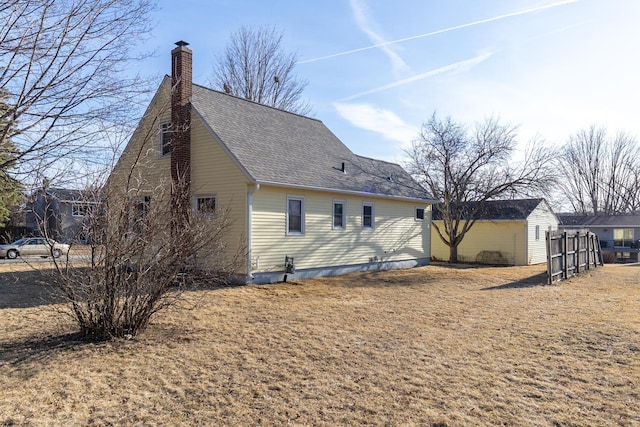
point(419, 214)
point(80, 209)
point(622, 237)
point(537, 232)
point(368, 218)
point(204, 204)
point(338, 215)
point(295, 215)
point(165, 138)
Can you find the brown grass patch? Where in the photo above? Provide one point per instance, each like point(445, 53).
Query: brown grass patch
point(428, 346)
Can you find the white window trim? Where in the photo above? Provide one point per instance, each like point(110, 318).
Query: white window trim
point(161, 133)
point(302, 216)
point(344, 215)
point(204, 196)
point(537, 232)
point(424, 213)
point(76, 205)
point(373, 216)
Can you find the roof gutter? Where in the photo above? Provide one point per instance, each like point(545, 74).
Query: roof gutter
point(351, 192)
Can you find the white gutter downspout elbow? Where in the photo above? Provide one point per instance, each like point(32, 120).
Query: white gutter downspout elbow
point(255, 188)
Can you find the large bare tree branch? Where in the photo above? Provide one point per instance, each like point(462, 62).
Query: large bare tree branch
point(65, 67)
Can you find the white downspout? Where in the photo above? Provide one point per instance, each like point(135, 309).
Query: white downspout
point(255, 188)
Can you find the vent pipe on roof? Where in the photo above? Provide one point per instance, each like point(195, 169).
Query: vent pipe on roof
point(343, 168)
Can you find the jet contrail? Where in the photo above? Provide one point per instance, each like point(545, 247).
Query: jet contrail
point(451, 67)
point(457, 27)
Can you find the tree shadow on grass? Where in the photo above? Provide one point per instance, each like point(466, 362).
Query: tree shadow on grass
point(527, 282)
point(34, 352)
point(27, 289)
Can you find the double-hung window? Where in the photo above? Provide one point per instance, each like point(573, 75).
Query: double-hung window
point(295, 215)
point(419, 214)
point(165, 138)
point(338, 215)
point(368, 219)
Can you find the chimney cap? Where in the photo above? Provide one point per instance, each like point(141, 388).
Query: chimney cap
point(182, 43)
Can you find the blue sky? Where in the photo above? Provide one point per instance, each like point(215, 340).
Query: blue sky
point(378, 69)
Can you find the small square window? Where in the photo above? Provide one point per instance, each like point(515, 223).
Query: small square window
point(338, 215)
point(367, 215)
point(165, 139)
point(205, 204)
point(420, 214)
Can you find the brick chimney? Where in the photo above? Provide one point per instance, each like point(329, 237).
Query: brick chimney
point(181, 58)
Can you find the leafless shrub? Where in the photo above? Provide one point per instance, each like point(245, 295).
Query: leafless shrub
point(139, 260)
point(609, 257)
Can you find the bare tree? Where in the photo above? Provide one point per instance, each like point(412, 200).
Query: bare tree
point(11, 191)
point(64, 65)
point(255, 66)
point(601, 174)
point(464, 168)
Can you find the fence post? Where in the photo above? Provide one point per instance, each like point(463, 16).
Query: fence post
point(549, 258)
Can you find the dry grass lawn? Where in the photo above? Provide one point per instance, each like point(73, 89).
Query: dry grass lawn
point(428, 346)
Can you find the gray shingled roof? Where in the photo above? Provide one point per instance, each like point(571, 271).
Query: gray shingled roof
point(68, 195)
point(278, 147)
point(495, 210)
point(576, 220)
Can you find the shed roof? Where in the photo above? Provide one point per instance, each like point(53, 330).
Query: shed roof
point(494, 210)
point(277, 147)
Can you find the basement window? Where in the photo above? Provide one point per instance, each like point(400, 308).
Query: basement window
point(165, 138)
point(295, 215)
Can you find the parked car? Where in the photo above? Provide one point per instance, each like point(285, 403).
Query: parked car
point(29, 246)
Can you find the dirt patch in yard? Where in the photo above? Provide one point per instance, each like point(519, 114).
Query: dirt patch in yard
point(438, 345)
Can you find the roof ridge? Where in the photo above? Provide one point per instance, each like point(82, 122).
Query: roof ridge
point(377, 160)
point(254, 102)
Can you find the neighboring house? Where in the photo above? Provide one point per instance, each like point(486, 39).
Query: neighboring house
point(60, 214)
point(617, 233)
point(509, 232)
point(292, 186)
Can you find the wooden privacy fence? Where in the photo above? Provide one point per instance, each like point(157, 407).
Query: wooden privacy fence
point(570, 253)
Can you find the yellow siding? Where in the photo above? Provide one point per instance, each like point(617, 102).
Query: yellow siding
point(396, 236)
point(506, 237)
point(141, 169)
point(212, 170)
point(214, 173)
